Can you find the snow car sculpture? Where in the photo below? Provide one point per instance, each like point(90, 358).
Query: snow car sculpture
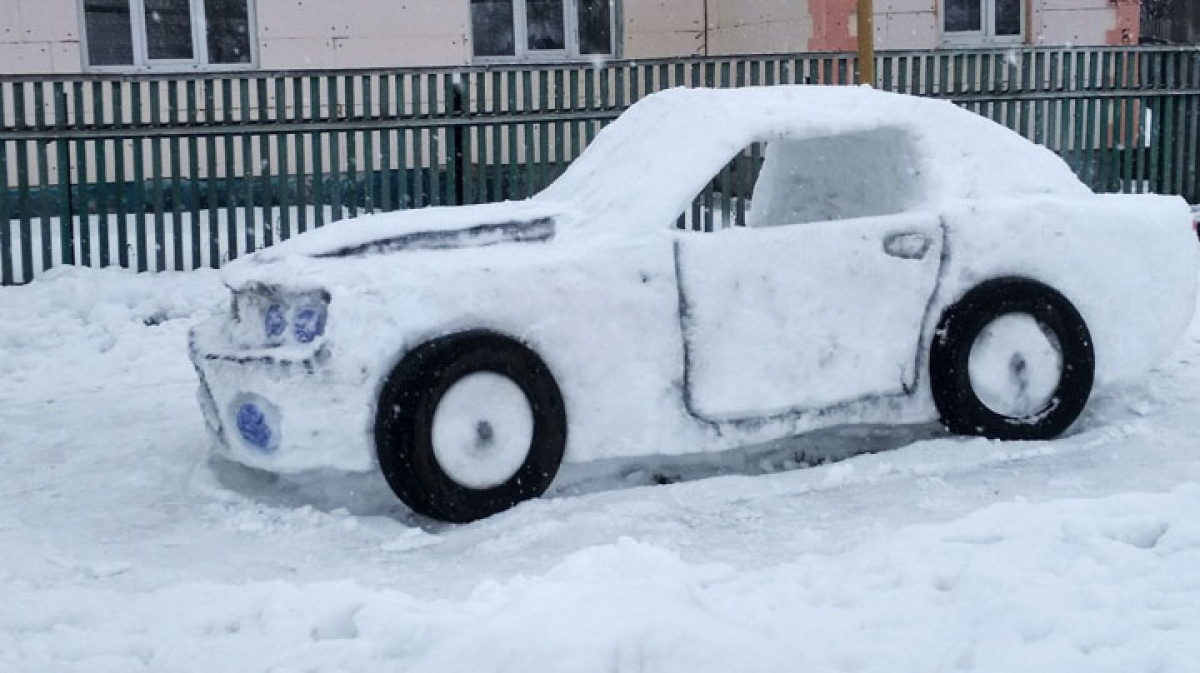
point(905, 261)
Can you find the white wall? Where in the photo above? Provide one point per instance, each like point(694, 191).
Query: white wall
point(362, 33)
point(663, 28)
point(906, 24)
point(762, 26)
point(1073, 22)
point(39, 36)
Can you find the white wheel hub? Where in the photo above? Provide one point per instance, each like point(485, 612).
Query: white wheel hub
point(482, 430)
point(1015, 365)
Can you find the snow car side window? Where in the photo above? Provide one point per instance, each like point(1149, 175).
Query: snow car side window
point(724, 202)
point(860, 174)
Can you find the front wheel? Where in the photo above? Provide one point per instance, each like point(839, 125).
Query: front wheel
point(469, 425)
point(1013, 360)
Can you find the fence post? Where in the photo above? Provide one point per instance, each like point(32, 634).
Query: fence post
point(457, 111)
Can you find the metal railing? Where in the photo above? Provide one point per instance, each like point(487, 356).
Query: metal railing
point(185, 171)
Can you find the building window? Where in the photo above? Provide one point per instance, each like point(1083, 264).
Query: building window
point(168, 34)
point(983, 21)
point(542, 29)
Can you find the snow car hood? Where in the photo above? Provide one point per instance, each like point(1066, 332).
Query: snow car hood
point(372, 236)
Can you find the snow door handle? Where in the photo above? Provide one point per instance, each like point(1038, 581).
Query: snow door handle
point(907, 244)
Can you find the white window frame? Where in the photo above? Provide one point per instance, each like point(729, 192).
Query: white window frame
point(987, 23)
point(521, 51)
point(141, 59)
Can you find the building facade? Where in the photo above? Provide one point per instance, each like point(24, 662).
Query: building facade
point(73, 36)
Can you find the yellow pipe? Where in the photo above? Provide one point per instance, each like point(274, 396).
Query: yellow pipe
point(866, 42)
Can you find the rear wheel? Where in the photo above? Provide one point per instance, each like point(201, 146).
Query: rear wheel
point(469, 425)
point(1013, 359)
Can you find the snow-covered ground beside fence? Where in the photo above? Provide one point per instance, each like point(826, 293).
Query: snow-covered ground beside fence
point(124, 548)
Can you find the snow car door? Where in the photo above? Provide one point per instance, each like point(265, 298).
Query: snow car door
point(806, 316)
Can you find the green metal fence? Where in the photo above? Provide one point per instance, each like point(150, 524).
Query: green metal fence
point(185, 171)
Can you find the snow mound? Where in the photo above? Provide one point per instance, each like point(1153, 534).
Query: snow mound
point(1095, 585)
point(76, 324)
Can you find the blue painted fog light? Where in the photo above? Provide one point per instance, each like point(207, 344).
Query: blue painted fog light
point(257, 423)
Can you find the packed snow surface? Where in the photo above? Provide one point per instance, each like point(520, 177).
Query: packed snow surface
point(126, 548)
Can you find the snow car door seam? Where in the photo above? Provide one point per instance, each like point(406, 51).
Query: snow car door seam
point(685, 316)
point(922, 355)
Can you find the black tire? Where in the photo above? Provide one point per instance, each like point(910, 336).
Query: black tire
point(404, 425)
point(961, 410)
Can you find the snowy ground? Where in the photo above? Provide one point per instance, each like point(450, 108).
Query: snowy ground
point(123, 548)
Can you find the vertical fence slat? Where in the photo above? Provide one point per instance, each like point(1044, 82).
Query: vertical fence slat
point(6, 257)
point(419, 145)
point(248, 225)
point(263, 166)
point(726, 183)
point(1129, 112)
point(63, 159)
point(501, 158)
point(474, 89)
point(156, 170)
point(139, 183)
point(403, 195)
point(335, 150)
point(82, 224)
point(542, 155)
point(450, 108)
point(1179, 139)
point(232, 235)
point(43, 178)
point(351, 190)
point(284, 170)
point(120, 208)
point(1168, 132)
point(1102, 181)
point(368, 146)
point(1154, 140)
point(25, 229)
point(212, 183)
point(101, 173)
point(385, 144)
point(1054, 106)
point(527, 131)
point(299, 189)
point(316, 140)
point(1191, 188)
point(193, 183)
point(557, 145)
point(434, 134)
point(175, 150)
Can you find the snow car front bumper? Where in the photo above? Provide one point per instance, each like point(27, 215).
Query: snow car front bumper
point(281, 410)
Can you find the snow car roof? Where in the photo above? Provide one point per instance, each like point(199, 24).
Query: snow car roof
point(646, 166)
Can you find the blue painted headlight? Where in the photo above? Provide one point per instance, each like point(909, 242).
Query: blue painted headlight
point(309, 324)
point(275, 321)
point(253, 426)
